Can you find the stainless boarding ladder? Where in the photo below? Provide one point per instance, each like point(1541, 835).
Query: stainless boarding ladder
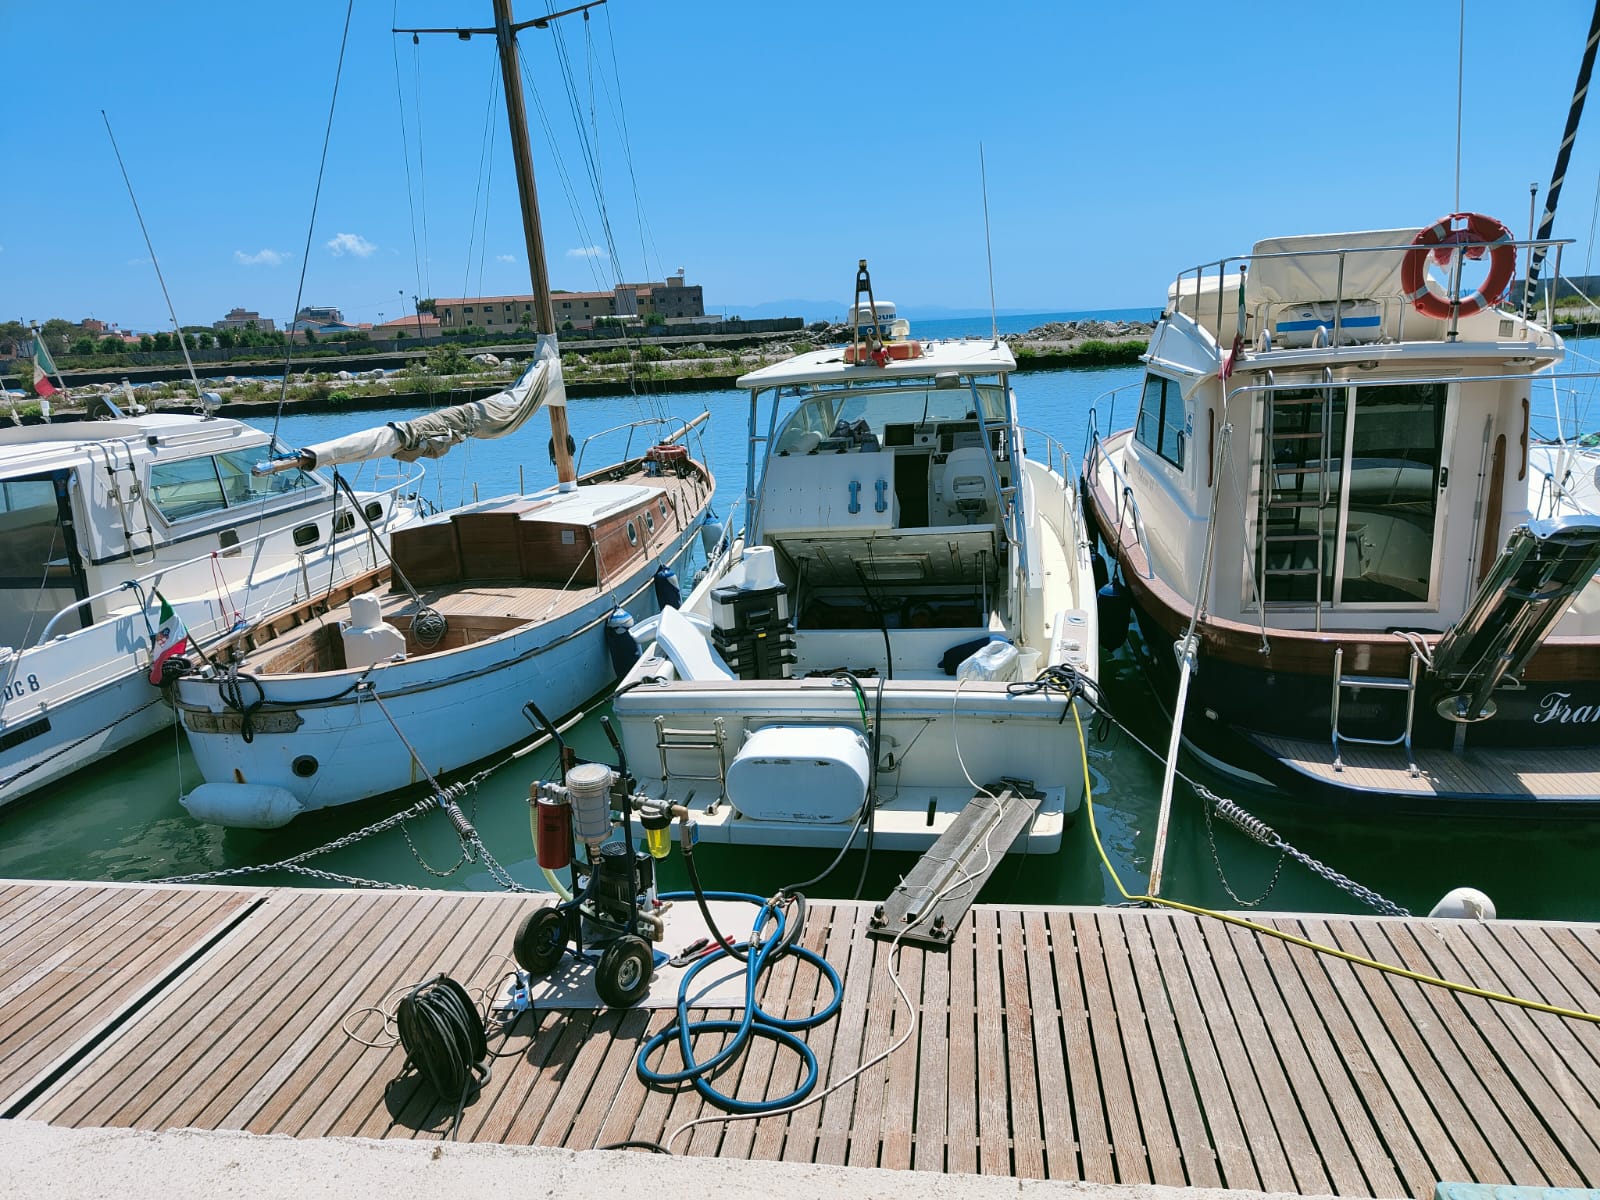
point(1383, 683)
point(715, 738)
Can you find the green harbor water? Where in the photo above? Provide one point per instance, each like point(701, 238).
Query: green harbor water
point(121, 820)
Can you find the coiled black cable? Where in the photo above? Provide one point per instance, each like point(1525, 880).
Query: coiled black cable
point(444, 1040)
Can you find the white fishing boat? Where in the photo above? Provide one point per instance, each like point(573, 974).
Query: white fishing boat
point(488, 609)
point(1329, 533)
point(102, 520)
point(902, 624)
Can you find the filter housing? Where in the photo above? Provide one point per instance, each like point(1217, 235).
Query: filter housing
point(812, 773)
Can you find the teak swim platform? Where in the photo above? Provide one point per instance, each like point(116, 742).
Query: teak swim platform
point(1097, 1044)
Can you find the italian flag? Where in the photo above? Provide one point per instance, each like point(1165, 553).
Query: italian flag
point(43, 368)
point(171, 639)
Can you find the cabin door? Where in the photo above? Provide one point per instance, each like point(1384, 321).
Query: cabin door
point(1351, 494)
point(41, 572)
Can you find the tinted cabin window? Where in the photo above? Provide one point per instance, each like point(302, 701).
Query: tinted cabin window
point(241, 487)
point(187, 488)
point(1161, 419)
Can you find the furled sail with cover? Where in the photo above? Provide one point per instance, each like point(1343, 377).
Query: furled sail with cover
point(433, 434)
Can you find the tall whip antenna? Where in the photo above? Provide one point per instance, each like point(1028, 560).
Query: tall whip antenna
point(983, 179)
point(1461, 62)
point(172, 312)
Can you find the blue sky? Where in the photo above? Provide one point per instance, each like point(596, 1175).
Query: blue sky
point(772, 145)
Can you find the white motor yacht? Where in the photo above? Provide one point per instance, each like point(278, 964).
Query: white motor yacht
point(901, 627)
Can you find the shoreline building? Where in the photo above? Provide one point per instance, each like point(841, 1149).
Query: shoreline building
point(671, 299)
point(240, 318)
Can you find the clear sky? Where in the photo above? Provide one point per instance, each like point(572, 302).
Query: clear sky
point(772, 145)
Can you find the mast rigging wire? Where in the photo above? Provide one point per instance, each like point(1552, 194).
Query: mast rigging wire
point(405, 153)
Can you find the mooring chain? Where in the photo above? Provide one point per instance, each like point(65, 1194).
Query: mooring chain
point(1257, 829)
point(1216, 856)
point(292, 864)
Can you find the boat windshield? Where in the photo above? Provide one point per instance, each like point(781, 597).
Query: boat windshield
point(821, 413)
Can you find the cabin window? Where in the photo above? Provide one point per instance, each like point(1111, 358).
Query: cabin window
point(306, 535)
point(374, 511)
point(187, 488)
point(1162, 424)
point(37, 576)
point(344, 523)
point(649, 521)
point(633, 534)
point(240, 486)
point(228, 539)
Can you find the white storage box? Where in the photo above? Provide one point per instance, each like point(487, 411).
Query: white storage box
point(811, 773)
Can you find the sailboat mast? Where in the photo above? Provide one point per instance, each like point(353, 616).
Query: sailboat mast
point(533, 234)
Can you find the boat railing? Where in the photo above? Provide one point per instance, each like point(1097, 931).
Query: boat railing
point(664, 424)
point(1056, 456)
point(1127, 505)
point(339, 545)
point(1357, 275)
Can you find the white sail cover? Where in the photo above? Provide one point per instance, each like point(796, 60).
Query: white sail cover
point(433, 434)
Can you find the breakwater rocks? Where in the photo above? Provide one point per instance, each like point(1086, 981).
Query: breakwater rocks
point(1058, 336)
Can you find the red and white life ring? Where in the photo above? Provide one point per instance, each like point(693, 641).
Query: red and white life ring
point(1480, 233)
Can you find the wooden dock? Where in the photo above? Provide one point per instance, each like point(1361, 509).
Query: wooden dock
point(1107, 1045)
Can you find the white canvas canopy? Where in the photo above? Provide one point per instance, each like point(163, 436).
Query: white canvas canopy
point(433, 434)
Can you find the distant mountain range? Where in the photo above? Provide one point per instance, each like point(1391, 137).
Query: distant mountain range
point(834, 310)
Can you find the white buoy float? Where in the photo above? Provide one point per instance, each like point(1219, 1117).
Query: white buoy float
point(1464, 903)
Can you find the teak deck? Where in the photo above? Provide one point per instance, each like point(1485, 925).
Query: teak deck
point(1550, 773)
point(1109, 1045)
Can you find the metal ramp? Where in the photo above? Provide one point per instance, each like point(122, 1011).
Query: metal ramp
point(971, 848)
point(1543, 566)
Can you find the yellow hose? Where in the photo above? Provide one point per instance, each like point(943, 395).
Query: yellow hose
point(1294, 939)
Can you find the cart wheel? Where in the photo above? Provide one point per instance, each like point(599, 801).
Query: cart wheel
point(623, 974)
point(541, 939)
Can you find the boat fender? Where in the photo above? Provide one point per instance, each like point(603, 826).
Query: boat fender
point(243, 805)
point(667, 593)
point(624, 651)
point(1114, 607)
point(1464, 903)
point(1481, 233)
point(572, 448)
point(1102, 575)
point(711, 532)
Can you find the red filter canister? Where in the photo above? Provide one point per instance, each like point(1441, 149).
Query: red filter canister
point(553, 838)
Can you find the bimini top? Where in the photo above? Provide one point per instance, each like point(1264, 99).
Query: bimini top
point(969, 356)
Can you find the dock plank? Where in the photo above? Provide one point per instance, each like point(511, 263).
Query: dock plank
point(1094, 1044)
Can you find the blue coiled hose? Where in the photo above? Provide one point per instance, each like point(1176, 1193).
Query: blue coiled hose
point(763, 951)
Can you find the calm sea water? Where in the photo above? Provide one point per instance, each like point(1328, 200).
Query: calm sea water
point(122, 820)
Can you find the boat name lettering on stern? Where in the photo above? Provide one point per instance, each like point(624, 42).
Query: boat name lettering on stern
point(1554, 707)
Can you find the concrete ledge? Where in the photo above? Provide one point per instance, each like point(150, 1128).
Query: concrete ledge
point(181, 1164)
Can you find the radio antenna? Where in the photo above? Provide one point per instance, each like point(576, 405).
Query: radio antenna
point(988, 248)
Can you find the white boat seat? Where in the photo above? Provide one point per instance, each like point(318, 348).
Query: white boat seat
point(687, 648)
point(965, 485)
point(803, 443)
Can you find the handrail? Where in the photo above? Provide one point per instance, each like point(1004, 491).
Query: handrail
point(627, 450)
point(1124, 492)
point(330, 549)
point(1342, 253)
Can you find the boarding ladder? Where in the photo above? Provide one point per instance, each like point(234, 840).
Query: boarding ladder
point(1543, 567)
point(1382, 683)
point(713, 739)
point(1296, 486)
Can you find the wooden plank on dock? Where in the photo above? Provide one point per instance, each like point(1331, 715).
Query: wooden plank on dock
point(74, 961)
point(1109, 1046)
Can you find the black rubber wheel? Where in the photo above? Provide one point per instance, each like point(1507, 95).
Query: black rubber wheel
point(622, 976)
point(541, 940)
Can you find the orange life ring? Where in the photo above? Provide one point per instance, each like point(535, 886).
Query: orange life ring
point(1481, 233)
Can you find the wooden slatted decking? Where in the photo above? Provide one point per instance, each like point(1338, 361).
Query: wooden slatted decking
point(1108, 1045)
point(1549, 774)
